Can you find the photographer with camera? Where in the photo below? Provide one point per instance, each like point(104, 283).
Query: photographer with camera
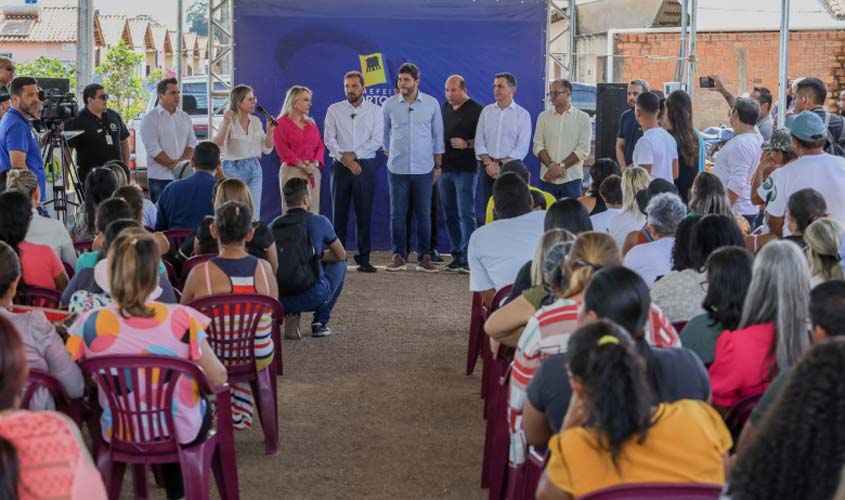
point(19, 146)
point(104, 138)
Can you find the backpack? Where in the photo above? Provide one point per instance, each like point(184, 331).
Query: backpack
point(834, 145)
point(299, 264)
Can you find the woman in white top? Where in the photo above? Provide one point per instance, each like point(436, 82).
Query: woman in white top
point(242, 141)
point(653, 260)
point(634, 180)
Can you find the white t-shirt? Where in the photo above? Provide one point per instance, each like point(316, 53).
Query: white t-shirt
point(657, 148)
point(623, 223)
point(498, 250)
point(651, 260)
point(824, 172)
point(736, 164)
point(601, 220)
point(767, 187)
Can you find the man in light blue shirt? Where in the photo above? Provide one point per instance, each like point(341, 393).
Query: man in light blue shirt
point(413, 143)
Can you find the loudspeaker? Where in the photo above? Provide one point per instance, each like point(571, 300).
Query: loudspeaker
point(611, 102)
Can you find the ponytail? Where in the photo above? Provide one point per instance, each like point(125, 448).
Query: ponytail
point(9, 470)
point(602, 359)
point(133, 271)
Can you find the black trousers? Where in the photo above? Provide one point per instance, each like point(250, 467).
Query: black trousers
point(358, 190)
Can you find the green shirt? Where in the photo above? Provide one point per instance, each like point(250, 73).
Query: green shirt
point(699, 336)
point(769, 397)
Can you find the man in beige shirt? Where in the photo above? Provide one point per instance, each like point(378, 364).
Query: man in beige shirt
point(562, 142)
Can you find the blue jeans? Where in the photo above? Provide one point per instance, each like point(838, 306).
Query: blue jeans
point(486, 185)
point(571, 189)
point(320, 298)
point(405, 189)
point(457, 192)
point(249, 171)
point(156, 186)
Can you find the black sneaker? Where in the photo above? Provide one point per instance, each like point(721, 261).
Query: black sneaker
point(463, 268)
point(453, 267)
point(320, 330)
point(436, 257)
point(366, 267)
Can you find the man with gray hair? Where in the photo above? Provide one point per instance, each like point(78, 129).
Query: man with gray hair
point(652, 260)
point(737, 161)
point(503, 133)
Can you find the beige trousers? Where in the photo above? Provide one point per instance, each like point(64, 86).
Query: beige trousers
point(286, 172)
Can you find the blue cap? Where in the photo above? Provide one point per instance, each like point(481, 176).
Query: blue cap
point(806, 126)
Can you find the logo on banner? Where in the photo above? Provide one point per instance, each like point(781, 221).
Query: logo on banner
point(372, 66)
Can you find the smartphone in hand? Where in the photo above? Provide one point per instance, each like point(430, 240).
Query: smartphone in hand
point(706, 82)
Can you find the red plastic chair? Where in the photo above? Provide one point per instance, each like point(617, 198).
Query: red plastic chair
point(176, 237)
point(477, 317)
point(69, 270)
point(738, 414)
point(242, 312)
point(193, 262)
point(39, 379)
point(138, 390)
point(171, 275)
point(679, 325)
point(36, 296)
point(82, 246)
point(486, 353)
point(523, 480)
point(494, 464)
point(658, 491)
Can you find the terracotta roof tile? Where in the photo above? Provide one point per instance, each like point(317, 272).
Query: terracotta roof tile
point(138, 30)
point(837, 8)
point(52, 24)
point(113, 27)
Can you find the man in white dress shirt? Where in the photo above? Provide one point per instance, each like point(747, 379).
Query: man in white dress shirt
point(168, 136)
point(353, 134)
point(503, 133)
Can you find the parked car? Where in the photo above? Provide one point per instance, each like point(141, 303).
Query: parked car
point(194, 102)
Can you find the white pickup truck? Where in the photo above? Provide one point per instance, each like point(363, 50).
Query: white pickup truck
point(194, 102)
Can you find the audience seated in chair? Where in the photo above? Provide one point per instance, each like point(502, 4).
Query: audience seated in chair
point(772, 332)
point(602, 169)
point(516, 167)
point(653, 259)
point(235, 271)
point(44, 348)
point(184, 202)
point(135, 325)
point(135, 198)
point(329, 262)
point(100, 184)
point(261, 244)
point(728, 272)
point(620, 295)
point(610, 193)
point(42, 230)
point(42, 452)
point(39, 263)
point(614, 434)
point(634, 180)
point(823, 238)
point(90, 287)
point(108, 211)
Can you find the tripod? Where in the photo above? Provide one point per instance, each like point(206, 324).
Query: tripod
point(57, 140)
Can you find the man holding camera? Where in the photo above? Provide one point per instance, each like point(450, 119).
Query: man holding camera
point(104, 138)
point(19, 146)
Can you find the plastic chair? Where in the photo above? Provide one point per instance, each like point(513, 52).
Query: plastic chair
point(39, 379)
point(486, 354)
point(679, 325)
point(242, 313)
point(477, 317)
point(658, 491)
point(176, 237)
point(193, 262)
point(523, 480)
point(69, 270)
point(738, 414)
point(36, 296)
point(82, 246)
point(494, 464)
point(139, 392)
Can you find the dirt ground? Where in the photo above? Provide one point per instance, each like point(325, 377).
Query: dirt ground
point(381, 409)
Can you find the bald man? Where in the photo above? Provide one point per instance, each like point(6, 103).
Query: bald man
point(460, 167)
point(7, 73)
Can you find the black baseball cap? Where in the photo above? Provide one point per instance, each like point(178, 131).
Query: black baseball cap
point(654, 188)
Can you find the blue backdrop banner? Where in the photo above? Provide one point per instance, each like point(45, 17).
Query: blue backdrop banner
point(279, 43)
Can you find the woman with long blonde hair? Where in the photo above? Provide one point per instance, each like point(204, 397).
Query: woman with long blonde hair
point(242, 140)
point(298, 144)
point(634, 180)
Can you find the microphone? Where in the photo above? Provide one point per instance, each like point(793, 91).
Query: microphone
point(353, 115)
point(410, 109)
point(267, 115)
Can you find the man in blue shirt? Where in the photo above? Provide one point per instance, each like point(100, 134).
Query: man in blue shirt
point(322, 296)
point(184, 203)
point(629, 130)
point(413, 143)
point(19, 146)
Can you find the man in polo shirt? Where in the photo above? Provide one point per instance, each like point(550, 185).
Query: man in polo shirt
point(168, 136)
point(457, 183)
point(19, 146)
point(184, 203)
point(5, 101)
point(104, 136)
point(503, 133)
point(413, 143)
point(562, 142)
point(629, 129)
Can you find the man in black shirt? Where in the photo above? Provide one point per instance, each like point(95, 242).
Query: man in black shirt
point(811, 94)
point(104, 136)
point(459, 169)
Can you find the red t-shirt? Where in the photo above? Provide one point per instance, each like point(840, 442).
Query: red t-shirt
point(39, 264)
point(741, 367)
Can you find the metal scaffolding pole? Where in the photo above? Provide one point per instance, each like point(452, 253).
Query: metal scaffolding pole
point(783, 61)
point(179, 42)
point(221, 63)
point(84, 45)
point(692, 58)
point(682, 66)
point(552, 60)
point(573, 31)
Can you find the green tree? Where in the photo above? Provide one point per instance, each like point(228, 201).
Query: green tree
point(48, 68)
point(119, 77)
point(197, 17)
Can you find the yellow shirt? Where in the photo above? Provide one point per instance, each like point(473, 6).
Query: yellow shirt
point(686, 444)
point(488, 218)
point(562, 134)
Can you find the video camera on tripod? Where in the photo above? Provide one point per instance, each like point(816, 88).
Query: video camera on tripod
point(60, 103)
